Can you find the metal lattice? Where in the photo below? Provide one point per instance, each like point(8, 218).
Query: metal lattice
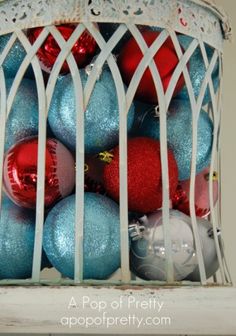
point(43, 13)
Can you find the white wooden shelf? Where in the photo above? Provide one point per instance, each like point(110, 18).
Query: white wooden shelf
point(181, 311)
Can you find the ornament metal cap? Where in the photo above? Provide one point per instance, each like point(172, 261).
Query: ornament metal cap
point(211, 232)
point(136, 230)
point(105, 156)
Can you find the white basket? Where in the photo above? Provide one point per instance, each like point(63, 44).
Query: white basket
point(208, 26)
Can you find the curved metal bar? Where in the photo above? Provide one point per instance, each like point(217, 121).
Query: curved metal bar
point(79, 103)
point(216, 114)
point(7, 48)
point(66, 47)
point(146, 62)
point(3, 120)
point(123, 111)
point(105, 52)
point(41, 147)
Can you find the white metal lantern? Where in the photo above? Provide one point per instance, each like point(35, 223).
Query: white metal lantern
point(201, 21)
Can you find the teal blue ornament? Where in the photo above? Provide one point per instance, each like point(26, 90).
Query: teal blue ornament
point(14, 58)
point(101, 115)
point(17, 232)
point(101, 236)
point(23, 118)
point(197, 70)
point(179, 136)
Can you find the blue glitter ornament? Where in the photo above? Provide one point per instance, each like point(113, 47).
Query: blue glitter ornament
point(23, 118)
point(14, 58)
point(17, 232)
point(197, 70)
point(179, 136)
point(101, 115)
point(101, 236)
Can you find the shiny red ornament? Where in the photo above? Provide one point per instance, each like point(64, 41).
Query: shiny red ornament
point(20, 172)
point(165, 59)
point(83, 50)
point(181, 199)
point(144, 175)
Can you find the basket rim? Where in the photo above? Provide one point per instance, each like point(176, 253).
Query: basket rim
point(220, 13)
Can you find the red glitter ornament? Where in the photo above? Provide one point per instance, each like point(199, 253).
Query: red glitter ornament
point(83, 50)
point(20, 172)
point(144, 175)
point(165, 59)
point(181, 199)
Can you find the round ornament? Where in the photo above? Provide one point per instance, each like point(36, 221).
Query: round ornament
point(208, 250)
point(181, 199)
point(14, 57)
point(83, 50)
point(179, 136)
point(197, 70)
point(20, 172)
point(101, 115)
point(101, 236)
point(17, 233)
point(23, 118)
point(131, 56)
point(144, 175)
point(148, 255)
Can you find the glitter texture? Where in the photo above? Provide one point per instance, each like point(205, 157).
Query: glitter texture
point(23, 118)
point(144, 175)
point(179, 135)
point(16, 241)
point(101, 236)
point(14, 58)
point(101, 116)
point(148, 255)
point(197, 70)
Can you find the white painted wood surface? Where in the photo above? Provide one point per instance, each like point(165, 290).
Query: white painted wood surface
point(180, 311)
